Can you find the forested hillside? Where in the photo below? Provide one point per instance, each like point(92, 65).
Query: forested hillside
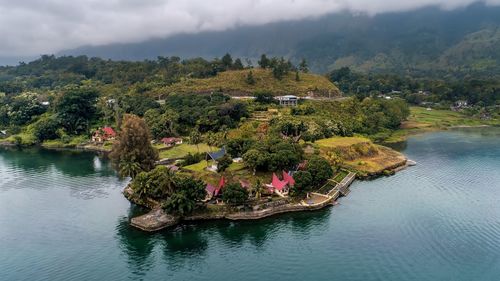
point(425, 42)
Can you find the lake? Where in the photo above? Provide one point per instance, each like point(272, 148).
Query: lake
point(62, 217)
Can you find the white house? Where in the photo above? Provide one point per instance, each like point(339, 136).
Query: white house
point(288, 100)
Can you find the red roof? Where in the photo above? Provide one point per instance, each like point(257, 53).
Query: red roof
point(277, 183)
point(222, 182)
point(288, 178)
point(108, 131)
point(170, 140)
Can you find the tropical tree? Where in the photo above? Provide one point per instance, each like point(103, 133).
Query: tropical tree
point(320, 170)
point(129, 168)
point(234, 194)
point(303, 183)
point(195, 138)
point(76, 108)
point(258, 189)
point(134, 144)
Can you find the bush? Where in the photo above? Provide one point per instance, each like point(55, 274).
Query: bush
point(234, 194)
point(191, 159)
point(224, 163)
point(46, 129)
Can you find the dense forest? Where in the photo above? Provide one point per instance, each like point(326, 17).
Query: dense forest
point(480, 92)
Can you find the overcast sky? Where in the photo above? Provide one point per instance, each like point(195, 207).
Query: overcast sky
point(33, 27)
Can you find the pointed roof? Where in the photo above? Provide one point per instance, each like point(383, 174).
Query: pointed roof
point(288, 178)
point(277, 183)
point(109, 131)
point(216, 155)
point(222, 182)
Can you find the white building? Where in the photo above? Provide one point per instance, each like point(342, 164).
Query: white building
point(288, 100)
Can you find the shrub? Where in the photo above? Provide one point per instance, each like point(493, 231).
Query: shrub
point(234, 194)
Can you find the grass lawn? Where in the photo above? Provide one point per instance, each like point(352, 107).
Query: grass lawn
point(422, 120)
point(235, 81)
point(341, 141)
point(340, 175)
point(184, 149)
point(198, 167)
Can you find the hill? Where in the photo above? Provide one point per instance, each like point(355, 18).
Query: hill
point(427, 41)
point(234, 83)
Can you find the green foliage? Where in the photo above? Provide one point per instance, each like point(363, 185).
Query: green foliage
point(134, 144)
point(264, 62)
point(19, 110)
point(46, 128)
point(76, 108)
point(320, 170)
point(280, 67)
point(273, 155)
point(188, 191)
point(264, 97)
point(239, 146)
point(208, 112)
point(224, 163)
point(161, 124)
point(192, 158)
point(250, 80)
point(234, 194)
point(137, 104)
point(303, 183)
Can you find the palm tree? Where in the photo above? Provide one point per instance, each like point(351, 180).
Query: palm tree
point(129, 168)
point(195, 138)
point(258, 189)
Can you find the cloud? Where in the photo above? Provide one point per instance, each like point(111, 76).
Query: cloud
point(32, 27)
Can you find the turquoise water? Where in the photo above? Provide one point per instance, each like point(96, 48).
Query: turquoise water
point(62, 217)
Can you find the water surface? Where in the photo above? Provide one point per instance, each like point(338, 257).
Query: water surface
point(62, 217)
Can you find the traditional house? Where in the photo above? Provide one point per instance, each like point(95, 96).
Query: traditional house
point(104, 134)
point(280, 187)
point(213, 157)
point(288, 100)
point(289, 179)
point(170, 142)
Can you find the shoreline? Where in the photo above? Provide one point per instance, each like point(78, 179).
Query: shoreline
point(157, 219)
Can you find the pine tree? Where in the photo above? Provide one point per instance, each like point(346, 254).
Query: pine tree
point(297, 77)
point(133, 147)
point(264, 61)
point(250, 80)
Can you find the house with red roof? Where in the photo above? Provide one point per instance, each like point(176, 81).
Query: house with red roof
point(171, 141)
point(103, 134)
point(281, 187)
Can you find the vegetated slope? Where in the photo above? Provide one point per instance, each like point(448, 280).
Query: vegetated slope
point(235, 83)
point(427, 41)
point(361, 154)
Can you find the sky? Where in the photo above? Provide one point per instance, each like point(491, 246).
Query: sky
point(34, 27)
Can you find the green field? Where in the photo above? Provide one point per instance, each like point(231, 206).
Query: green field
point(234, 82)
point(422, 120)
point(184, 149)
point(341, 141)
